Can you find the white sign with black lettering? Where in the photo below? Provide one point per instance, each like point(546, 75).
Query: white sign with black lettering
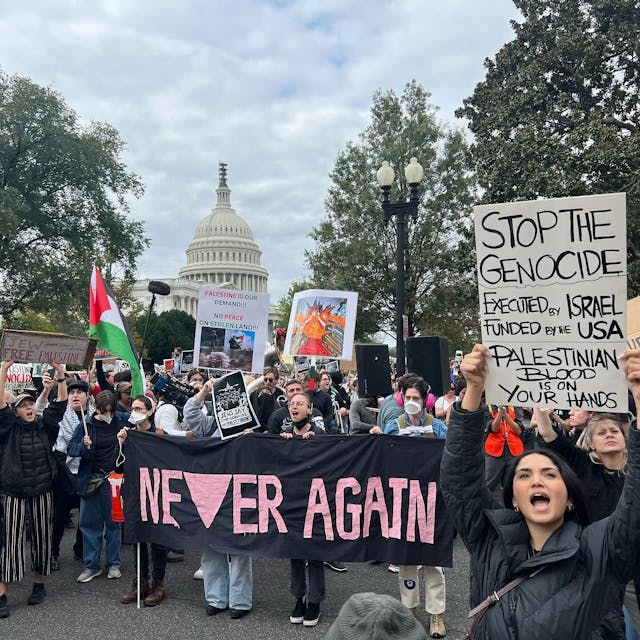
point(552, 280)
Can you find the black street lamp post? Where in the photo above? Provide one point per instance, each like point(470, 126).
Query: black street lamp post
point(385, 175)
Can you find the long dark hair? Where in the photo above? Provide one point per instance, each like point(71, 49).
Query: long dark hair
point(579, 513)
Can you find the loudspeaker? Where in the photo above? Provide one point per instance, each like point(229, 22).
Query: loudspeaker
point(428, 356)
point(374, 372)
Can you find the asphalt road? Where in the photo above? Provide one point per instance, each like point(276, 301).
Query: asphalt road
point(93, 610)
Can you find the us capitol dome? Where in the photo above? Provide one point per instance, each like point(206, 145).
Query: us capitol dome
point(222, 254)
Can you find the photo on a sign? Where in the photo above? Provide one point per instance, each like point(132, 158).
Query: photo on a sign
point(232, 409)
point(186, 363)
point(231, 330)
point(322, 324)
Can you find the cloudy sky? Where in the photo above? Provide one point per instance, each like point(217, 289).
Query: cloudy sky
point(274, 88)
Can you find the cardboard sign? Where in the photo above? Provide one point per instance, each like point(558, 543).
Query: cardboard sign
point(552, 281)
point(38, 346)
point(633, 323)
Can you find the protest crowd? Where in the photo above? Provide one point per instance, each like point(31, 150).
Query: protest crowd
point(558, 545)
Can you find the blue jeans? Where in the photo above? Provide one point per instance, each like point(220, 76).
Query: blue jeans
point(632, 634)
point(228, 580)
point(95, 518)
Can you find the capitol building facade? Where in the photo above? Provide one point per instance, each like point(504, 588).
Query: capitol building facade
point(222, 254)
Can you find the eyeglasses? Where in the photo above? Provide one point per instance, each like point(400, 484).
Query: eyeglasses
point(298, 404)
point(269, 379)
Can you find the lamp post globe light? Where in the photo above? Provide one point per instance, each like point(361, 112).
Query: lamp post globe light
point(385, 175)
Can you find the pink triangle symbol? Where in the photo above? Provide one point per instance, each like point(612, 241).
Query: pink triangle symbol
point(207, 492)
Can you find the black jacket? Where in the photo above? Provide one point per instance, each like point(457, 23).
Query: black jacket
point(582, 568)
point(27, 466)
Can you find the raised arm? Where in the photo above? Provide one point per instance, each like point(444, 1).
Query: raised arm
point(622, 529)
point(462, 469)
point(542, 420)
point(4, 367)
point(193, 419)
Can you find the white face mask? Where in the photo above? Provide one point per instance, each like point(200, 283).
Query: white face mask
point(137, 418)
point(413, 407)
point(106, 417)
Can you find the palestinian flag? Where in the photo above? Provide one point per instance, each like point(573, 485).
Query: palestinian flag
point(107, 324)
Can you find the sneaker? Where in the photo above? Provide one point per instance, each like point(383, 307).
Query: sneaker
point(55, 563)
point(436, 626)
point(4, 606)
point(114, 573)
point(297, 615)
point(89, 574)
point(38, 594)
point(175, 556)
point(335, 565)
point(236, 614)
point(198, 574)
point(393, 568)
point(311, 615)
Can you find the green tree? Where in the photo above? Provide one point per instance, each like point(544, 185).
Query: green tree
point(170, 329)
point(355, 251)
point(28, 320)
point(64, 193)
point(285, 303)
point(558, 112)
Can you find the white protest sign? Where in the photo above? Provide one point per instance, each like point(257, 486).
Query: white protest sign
point(231, 330)
point(552, 286)
point(39, 346)
point(19, 377)
point(322, 323)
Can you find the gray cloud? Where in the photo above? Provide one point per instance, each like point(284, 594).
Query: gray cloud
point(275, 89)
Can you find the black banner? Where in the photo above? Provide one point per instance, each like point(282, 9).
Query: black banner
point(348, 498)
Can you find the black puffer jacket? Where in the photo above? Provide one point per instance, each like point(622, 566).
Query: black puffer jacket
point(582, 569)
point(27, 466)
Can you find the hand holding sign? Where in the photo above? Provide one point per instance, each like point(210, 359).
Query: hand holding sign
point(632, 372)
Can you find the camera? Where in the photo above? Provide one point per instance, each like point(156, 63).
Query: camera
point(172, 391)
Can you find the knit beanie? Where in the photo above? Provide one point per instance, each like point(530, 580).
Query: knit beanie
point(373, 616)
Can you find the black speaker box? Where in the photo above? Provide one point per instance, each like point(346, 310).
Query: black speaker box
point(374, 372)
point(428, 356)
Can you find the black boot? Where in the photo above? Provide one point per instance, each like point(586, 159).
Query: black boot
point(38, 593)
point(4, 606)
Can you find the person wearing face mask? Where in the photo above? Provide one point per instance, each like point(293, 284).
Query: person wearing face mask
point(416, 421)
point(97, 446)
point(152, 594)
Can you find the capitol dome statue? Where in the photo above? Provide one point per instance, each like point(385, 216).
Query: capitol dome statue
point(223, 249)
point(222, 254)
